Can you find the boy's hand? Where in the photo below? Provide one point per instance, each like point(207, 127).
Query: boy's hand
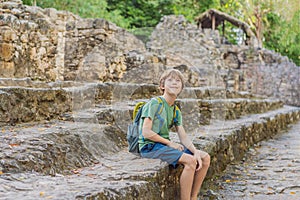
point(197, 155)
point(176, 146)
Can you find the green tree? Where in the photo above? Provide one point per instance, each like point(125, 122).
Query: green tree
point(147, 13)
point(85, 9)
point(275, 23)
point(252, 12)
point(284, 37)
point(273, 33)
point(191, 8)
point(141, 13)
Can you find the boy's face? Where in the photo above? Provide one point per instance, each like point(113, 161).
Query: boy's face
point(173, 85)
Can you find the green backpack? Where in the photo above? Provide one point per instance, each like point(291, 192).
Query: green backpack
point(133, 127)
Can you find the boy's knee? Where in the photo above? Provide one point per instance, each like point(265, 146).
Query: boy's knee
point(206, 161)
point(190, 166)
point(189, 162)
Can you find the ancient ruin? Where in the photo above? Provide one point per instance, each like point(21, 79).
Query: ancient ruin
point(68, 86)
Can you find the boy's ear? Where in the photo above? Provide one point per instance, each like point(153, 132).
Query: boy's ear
point(161, 88)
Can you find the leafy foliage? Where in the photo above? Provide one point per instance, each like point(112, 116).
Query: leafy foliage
point(138, 13)
point(147, 13)
point(284, 36)
point(85, 9)
point(275, 24)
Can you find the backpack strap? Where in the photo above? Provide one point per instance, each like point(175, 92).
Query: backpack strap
point(136, 110)
point(138, 115)
point(160, 106)
point(175, 114)
point(174, 120)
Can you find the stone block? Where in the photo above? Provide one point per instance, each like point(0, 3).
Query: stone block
point(52, 13)
point(8, 34)
point(33, 53)
point(84, 24)
point(7, 69)
point(41, 51)
point(101, 23)
point(24, 38)
point(6, 51)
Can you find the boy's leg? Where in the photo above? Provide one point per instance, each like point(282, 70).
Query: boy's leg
point(199, 177)
point(187, 176)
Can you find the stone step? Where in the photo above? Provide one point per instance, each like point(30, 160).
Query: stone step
point(122, 175)
point(18, 104)
point(85, 125)
point(129, 91)
point(213, 93)
point(234, 137)
point(207, 111)
point(27, 101)
point(56, 147)
point(28, 83)
point(196, 112)
point(121, 90)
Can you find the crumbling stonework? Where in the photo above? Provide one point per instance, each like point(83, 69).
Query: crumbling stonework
point(238, 67)
point(49, 45)
point(68, 87)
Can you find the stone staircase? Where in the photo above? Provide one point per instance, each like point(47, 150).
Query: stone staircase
point(67, 140)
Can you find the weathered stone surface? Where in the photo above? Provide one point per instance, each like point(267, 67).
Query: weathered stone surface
point(33, 101)
point(7, 69)
point(57, 147)
point(76, 130)
point(143, 68)
point(27, 104)
point(270, 170)
point(241, 68)
point(7, 51)
point(47, 44)
point(57, 43)
point(116, 174)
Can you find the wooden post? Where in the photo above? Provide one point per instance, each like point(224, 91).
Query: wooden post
point(223, 28)
point(213, 23)
point(223, 41)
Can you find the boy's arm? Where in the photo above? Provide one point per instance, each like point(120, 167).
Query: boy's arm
point(188, 144)
point(185, 140)
point(151, 135)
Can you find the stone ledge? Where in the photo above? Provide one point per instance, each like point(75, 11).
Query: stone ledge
point(56, 147)
point(20, 103)
point(121, 175)
point(30, 104)
point(197, 112)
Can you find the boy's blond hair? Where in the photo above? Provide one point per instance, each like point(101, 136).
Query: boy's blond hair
point(167, 74)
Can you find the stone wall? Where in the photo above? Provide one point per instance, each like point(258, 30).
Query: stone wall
point(49, 45)
point(238, 67)
point(30, 42)
point(262, 72)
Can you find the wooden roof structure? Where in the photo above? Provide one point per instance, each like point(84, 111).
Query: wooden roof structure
point(213, 18)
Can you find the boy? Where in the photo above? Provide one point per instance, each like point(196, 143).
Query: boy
point(154, 141)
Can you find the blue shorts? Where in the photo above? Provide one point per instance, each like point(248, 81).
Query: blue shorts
point(163, 152)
